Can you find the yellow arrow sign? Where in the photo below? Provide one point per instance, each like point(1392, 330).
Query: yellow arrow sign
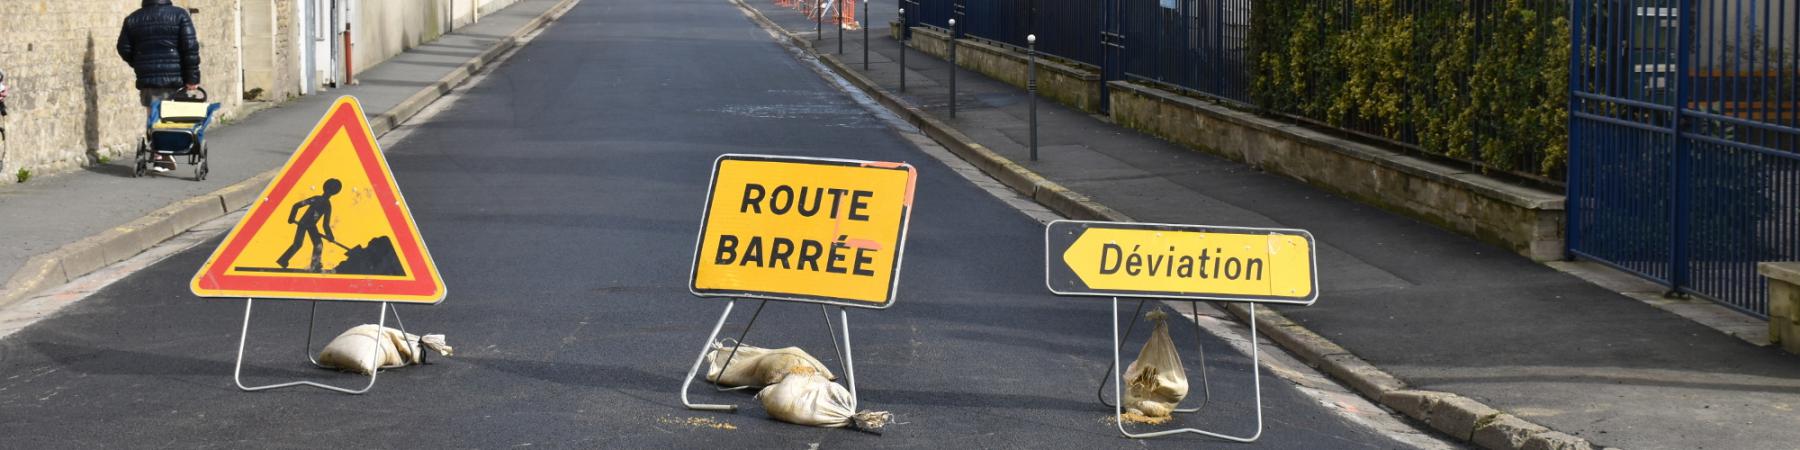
point(1180, 261)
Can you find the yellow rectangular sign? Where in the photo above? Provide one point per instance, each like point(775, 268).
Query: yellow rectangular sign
point(1264, 265)
point(804, 229)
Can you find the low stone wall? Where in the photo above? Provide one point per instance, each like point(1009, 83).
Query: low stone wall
point(1784, 303)
point(1525, 220)
point(1063, 83)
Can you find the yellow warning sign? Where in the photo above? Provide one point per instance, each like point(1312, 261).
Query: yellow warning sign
point(1266, 265)
point(804, 229)
point(331, 226)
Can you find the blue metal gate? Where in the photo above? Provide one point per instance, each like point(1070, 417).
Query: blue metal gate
point(1684, 135)
point(1194, 44)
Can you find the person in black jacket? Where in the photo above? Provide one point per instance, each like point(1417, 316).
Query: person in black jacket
point(159, 43)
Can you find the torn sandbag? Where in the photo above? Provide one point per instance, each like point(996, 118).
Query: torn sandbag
point(1155, 382)
point(756, 367)
point(805, 397)
point(365, 348)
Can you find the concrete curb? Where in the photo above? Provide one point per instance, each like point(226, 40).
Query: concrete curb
point(1460, 417)
point(84, 256)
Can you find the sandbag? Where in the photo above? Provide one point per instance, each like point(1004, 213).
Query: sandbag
point(365, 348)
point(1155, 382)
point(805, 397)
point(756, 366)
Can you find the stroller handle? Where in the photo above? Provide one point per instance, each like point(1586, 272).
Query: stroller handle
point(183, 96)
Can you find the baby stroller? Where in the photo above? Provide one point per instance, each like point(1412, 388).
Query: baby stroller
point(177, 127)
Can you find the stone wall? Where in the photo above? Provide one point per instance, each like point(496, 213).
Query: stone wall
point(382, 29)
point(1524, 220)
point(73, 100)
point(1784, 303)
point(271, 55)
point(388, 28)
point(1076, 87)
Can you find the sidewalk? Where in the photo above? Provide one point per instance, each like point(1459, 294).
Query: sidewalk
point(61, 227)
point(1440, 311)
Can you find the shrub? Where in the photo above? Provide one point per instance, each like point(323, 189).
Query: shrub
point(1481, 81)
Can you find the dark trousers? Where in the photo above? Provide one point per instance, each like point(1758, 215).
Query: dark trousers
point(309, 233)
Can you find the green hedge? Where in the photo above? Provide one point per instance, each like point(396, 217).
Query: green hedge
point(1484, 81)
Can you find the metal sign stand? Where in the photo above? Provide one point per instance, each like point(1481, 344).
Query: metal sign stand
point(1205, 384)
point(1118, 389)
point(845, 362)
point(244, 336)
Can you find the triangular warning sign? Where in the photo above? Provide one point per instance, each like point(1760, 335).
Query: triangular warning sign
point(332, 226)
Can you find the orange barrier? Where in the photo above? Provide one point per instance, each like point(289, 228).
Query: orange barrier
point(845, 10)
point(846, 16)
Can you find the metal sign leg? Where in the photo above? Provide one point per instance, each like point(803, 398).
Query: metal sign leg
point(689, 380)
point(845, 357)
point(825, 313)
point(244, 336)
point(849, 358)
point(1256, 380)
point(739, 343)
point(313, 318)
point(1205, 383)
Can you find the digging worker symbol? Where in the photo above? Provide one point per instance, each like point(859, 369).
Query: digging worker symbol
point(316, 218)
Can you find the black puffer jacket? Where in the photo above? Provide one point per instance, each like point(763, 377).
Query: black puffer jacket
point(158, 42)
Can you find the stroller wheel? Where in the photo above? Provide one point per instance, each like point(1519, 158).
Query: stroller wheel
point(142, 161)
point(201, 168)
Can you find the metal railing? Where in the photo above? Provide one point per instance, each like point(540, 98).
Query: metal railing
point(1684, 150)
point(1197, 45)
point(1071, 28)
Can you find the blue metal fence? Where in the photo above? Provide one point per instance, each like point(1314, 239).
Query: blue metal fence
point(1197, 45)
point(935, 13)
point(1684, 141)
point(1193, 44)
point(1068, 29)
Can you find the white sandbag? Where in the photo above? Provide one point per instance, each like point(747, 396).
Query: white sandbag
point(365, 348)
point(756, 366)
point(805, 397)
point(1155, 382)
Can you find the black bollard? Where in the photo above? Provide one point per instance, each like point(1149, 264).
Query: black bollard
point(903, 41)
point(865, 27)
point(840, 22)
point(819, 25)
point(1031, 87)
point(953, 68)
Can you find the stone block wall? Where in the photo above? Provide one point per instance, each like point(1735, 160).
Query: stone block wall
point(1066, 84)
point(1784, 303)
point(73, 100)
point(286, 70)
point(387, 28)
point(1524, 220)
point(271, 53)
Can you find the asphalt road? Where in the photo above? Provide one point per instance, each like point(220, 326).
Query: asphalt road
point(560, 199)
